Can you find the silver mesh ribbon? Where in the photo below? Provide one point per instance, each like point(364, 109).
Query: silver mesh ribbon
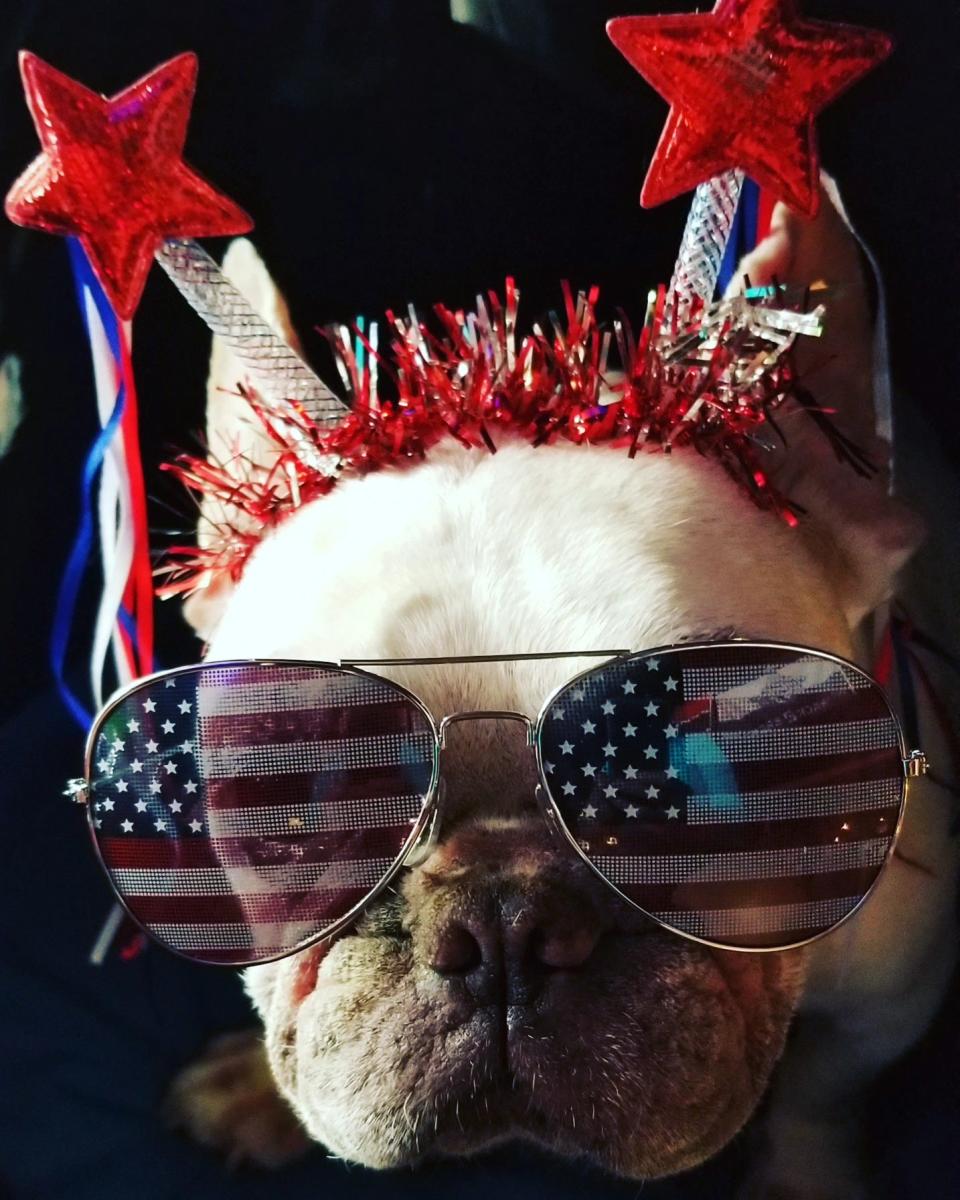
point(705, 240)
point(275, 369)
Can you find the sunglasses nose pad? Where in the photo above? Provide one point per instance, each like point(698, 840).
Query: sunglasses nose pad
point(421, 849)
point(549, 814)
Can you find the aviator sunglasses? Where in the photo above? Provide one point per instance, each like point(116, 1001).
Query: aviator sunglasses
point(743, 794)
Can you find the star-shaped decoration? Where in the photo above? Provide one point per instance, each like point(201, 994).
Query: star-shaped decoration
point(652, 709)
point(631, 810)
point(610, 791)
point(149, 706)
point(568, 789)
point(152, 746)
point(670, 683)
point(653, 664)
point(650, 752)
point(107, 805)
point(566, 747)
point(184, 706)
point(609, 749)
point(629, 730)
point(175, 806)
point(103, 766)
point(630, 773)
point(589, 771)
point(652, 792)
point(133, 726)
point(629, 687)
point(170, 768)
point(577, 694)
point(136, 766)
point(155, 788)
point(168, 727)
point(670, 731)
point(557, 714)
point(117, 744)
point(549, 767)
point(141, 806)
point(186, 747)
point(744, 83)
point(126, 826)
point(160, 825)
point(589, 811)
point(190, 787)
point(671, 772)
point(111, 172)
point(169, 683)
point(673, 812)
point(196, 825)
point(588, 727)
point(608, 708)
point(121, 785)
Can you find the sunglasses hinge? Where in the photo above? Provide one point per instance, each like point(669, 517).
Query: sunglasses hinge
point(76, 790)
point(915, 764)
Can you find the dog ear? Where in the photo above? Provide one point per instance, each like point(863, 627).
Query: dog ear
point(232, 430)
point(852, 523)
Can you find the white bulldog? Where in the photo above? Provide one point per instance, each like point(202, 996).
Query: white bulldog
point(605, 1037)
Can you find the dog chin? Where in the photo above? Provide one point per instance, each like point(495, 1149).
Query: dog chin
point(648, 1074)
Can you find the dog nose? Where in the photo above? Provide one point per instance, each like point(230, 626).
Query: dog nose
point(506, 956)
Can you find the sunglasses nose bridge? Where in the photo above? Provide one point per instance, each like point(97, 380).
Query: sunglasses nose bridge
point(485, 715)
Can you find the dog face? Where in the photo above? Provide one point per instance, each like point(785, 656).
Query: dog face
point(499, 989)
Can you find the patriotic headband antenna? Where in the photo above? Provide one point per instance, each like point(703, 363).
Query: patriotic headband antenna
point(744, 83)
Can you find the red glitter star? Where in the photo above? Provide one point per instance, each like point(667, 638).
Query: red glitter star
point(744, 83)
point(111, 172)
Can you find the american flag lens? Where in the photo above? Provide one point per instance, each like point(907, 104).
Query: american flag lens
point(243, 810)
point(747, 796)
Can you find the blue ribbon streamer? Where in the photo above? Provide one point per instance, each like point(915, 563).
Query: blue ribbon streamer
point(85, 280)
point(743, 233)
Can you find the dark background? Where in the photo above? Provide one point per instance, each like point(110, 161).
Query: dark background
point(388, 154)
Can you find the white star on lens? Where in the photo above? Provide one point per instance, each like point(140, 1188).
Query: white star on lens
point(184, 706)
point(629, 687)
point(652, 792)
point(175, 806)
point(160, 826)
point(568, 789)
point(154, 787)
point(548, 767)
point(170, 768)
point(103, 765)
point(141, 806)
point(589, 771)
point(97, 822)
point(670, 683)
point(170, 683)
point(629, 730)
point(630, 773)
point(566, 747)
point(577, 694)
point(557, 714)
point(672, 813)
point(186, 747)
point(107, 805)
point(608, 708)
point(631, 810)
point(117, 744)
point(133, 726)
point(126, 826)
point(168, 727)
point(671, 772)
point(653, 664)
point(196, 826)
point(190, 787)
point(609, 791)
point(670, 731)
point(588, 727)
point(589, 811)
point(149, 705)
point(121, 785)
point(152, 746)
point(136, 766)
point(650, 752)
point(609, 749)
point(652, 709)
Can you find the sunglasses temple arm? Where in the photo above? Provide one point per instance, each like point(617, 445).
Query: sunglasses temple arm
point(422, 848)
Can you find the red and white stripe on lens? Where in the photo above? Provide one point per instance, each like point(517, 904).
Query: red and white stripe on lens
point(745, 795)
point(240, 809)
